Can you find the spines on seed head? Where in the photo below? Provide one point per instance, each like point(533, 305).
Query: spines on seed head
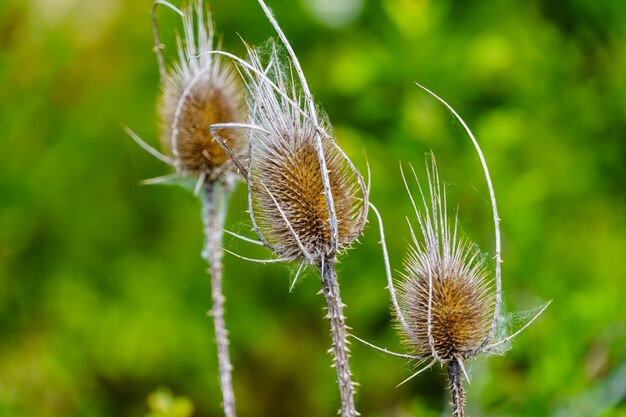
point(445, 296)
point(286, 179)
point(198, 91)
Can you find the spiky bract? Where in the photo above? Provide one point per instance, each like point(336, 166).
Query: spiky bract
point(198, 91)
point(445, 295)
point(286, 179)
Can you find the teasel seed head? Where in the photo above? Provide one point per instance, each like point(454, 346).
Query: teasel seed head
point(445, 295)
point(286, 179)
point(198, 91)
point(447, 306)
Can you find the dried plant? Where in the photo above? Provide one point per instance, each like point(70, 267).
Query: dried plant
point(447, 307)
point(291, 193)
point(307, 201)
point(198, 91)
point(445, 298)
point(288, 184)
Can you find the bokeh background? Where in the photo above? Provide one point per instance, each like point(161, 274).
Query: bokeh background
point(103, 293)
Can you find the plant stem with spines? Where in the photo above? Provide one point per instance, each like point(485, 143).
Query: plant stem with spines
point(214, 214)
point(456, 388)
point(338, 328)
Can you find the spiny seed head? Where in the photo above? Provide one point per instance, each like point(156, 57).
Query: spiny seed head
point(199, 91)
point(445, 296)
point(286, 180)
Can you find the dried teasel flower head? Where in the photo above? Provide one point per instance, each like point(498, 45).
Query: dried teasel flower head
point(198, 91)
point(303, 191)
point(447, 305)
point(307, 199)
point(445, 296)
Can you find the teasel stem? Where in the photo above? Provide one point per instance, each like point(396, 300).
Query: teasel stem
point(456, 388)
point(338, 329)
point(216, 194)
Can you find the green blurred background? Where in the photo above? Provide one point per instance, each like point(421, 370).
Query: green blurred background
point(103, 293)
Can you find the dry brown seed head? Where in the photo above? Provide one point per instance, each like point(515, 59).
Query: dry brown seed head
point(461, 306)
point(199, 91)
point(286, 178)
point(288, 174)
point(445, 295)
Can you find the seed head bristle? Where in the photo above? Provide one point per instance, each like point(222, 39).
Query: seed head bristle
point(445, 296)
point(198, 91)
point(286, 179)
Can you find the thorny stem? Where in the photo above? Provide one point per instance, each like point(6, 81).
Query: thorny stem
point(338, 329)
point(456, 388)
point(214, 213)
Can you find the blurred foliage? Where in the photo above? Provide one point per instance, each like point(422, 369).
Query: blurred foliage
point(163, 404)
point(103, 293)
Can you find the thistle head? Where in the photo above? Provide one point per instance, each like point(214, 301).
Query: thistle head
point(292, 157)
point(445, 296)
point(198, 91)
